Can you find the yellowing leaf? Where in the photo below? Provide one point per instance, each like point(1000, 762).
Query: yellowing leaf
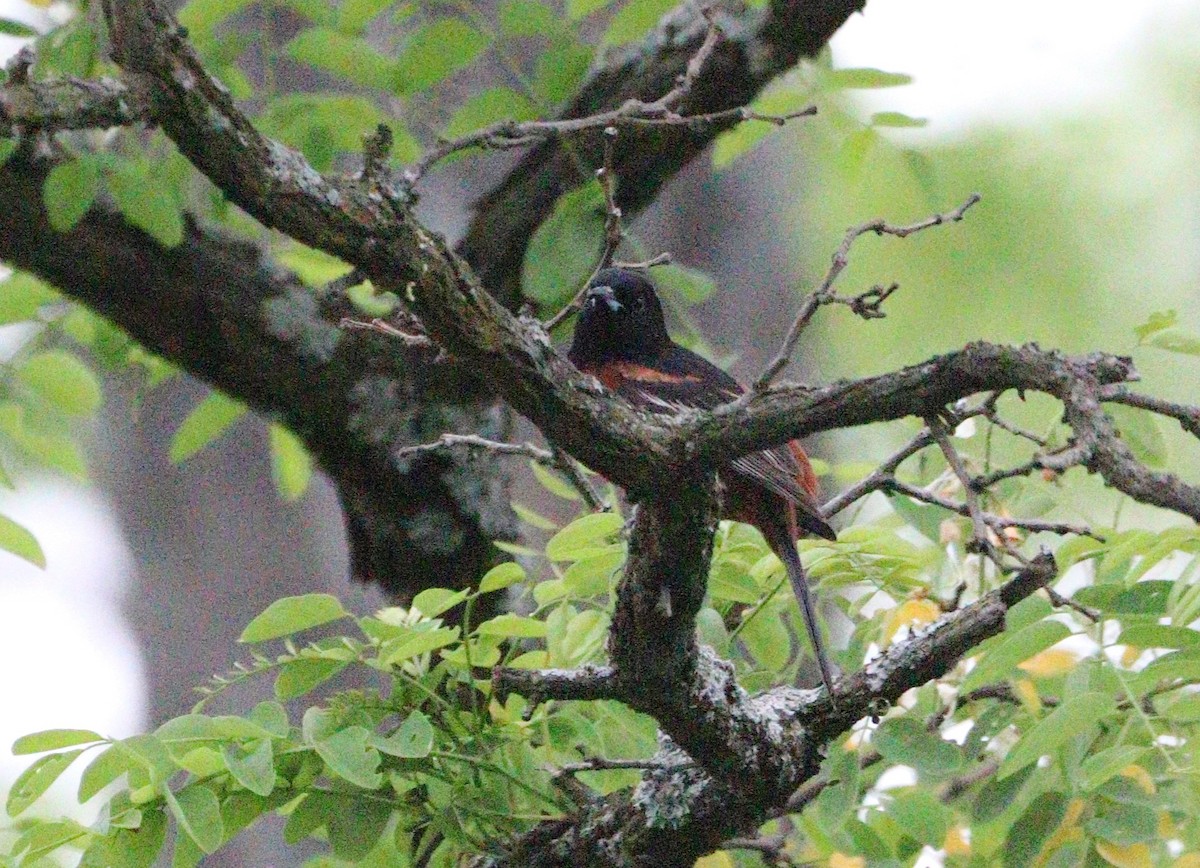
point(1130, 655)
point(1068, 830)
point(911, 613)
point(1141, 777)
point(1133, 856)
point(1028, 695)
point(1051, 662)
point(841, 860)
point(956, 843)
point(720, 859)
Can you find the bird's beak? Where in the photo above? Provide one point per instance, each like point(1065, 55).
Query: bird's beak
point(604, 294)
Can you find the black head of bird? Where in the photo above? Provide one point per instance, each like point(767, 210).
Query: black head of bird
point(621, 319)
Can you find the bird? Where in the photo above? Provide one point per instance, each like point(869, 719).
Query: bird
point(621, 339)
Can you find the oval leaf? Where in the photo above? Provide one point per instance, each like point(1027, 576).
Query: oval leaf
point(64, 380)
point(53, 739)
point(291, 615)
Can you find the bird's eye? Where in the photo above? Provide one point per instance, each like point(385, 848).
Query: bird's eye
point(639, 303)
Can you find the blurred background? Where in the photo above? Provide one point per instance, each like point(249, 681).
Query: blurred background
point(1077, 121)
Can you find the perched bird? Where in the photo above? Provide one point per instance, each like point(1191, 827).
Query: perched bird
point(621, 339)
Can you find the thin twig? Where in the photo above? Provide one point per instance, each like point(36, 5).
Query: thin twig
point(553, 458)
point(879, 478)
point(980, 529)
point(601, 764)
point(824, 294)
point(416, 341)
point(771, 847)
point(1187, 417)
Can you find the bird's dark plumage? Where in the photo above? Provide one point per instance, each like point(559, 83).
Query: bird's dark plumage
point(621, 338)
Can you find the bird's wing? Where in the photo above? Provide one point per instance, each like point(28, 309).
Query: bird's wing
point(681, 380)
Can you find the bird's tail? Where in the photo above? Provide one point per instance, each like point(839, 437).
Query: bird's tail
point(784, 546)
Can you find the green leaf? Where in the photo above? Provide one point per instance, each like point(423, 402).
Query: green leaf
point(17, 540)
point(1001, 661)
point(634, 20)
point(1141, 432)
point(201, 17)
point(511, 625)
point(526, 18)
point(291, 463)
point(864, 78)
point(767, 640)
point(349, 755)
point(204, 424)
point(349, 57)
point(997, 795)
point(691, 284)
point(291, 615)
point(577, 9)
point(355, 15)
point(198, 813)
point(417, 643)
point(502, 576)
point(1124, 825)
point(436, 51)
point(905, 741)
point(272, 717)
point(1156, 322)
point(53, 739)
point(592, 576)
point(146, 202)
point(9, 27)
point(1098, 768)
point(488, 107)
point(69, 191)
point(553, 482)
point(254, 770)
point(38, 778)
point(1076, 715)
point(1175, 341)
point(432, 602)
point(355, 830)
point(560, 254)
point(412, 740)
point(587, 536)
point(1030, 831)
point(1159, 636)
point(921, 815)
point(64, 380)
point(300, 676)
point(735, 142)
point(559, 71)
point(896, 119)
point(108, 765)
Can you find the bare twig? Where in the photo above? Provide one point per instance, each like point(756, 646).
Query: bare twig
point(980, 530)
point(770, 847)
point(1057, 599)
point(881, 477)
point(415, 341)
point(1187, 417)
point(553, 458)
point(600, 764)
point(824, 294)
point(996, 522)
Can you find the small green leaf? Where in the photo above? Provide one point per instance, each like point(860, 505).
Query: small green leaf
point(272, 717)
point(526, 18)
point(205, 423)
point(198, 813)
point(412, 740)
point(488, 107)
point(1076, 715)
point(434, 601)
point(17, 540)
point(634, 20)
point(348, 57)
point(291, 463)
point(298, 677)
point(349, 755)
point(416, 643)
point(355, 15)
point(511, 625)
point(767, 640)
point(1098, 768)
point(108, 765)
point(1156, 322)
point(64, 380)
point(53, 739)
point(591, 577)
point(436, 51)
point(9, 27)
point(1159, 636)
point(864, 78)
point(201, 17)
point(38, 778)
point(587, 536)
point(921, 815)
point(1175, 341)
point(577, 9)
point(254, 770)
point(1125, 825)
point(502, 576)
point(1001, 661)
point(146, 202)
point(553, 482)
point(1140, 430)
point(905, 741)
point(69, 191)
point(291, 615)
point(7, 148)
point(560, 254)
point(1029, 833)
point(896, 119)
point(559, 71)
